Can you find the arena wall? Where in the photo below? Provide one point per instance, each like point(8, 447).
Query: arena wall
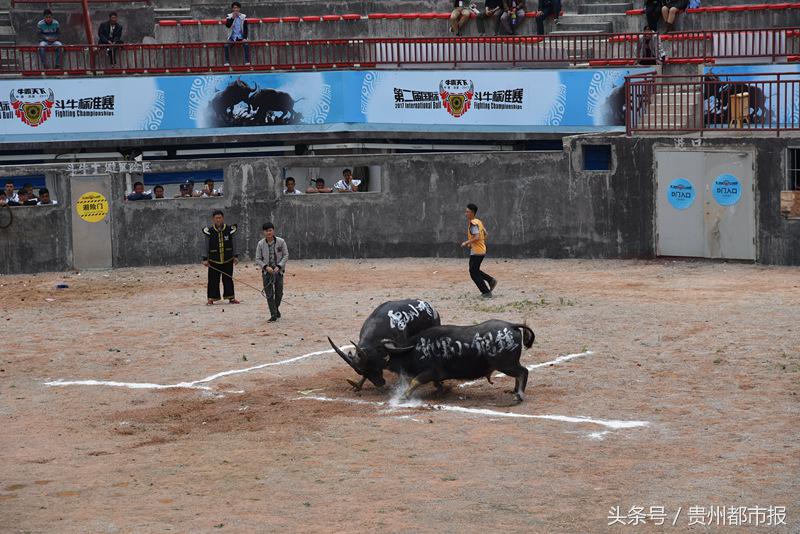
point(535, 204)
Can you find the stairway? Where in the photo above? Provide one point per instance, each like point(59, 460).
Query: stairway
point(583, 23)
point(672, 108)
point(8, 36)
point(594, 16)
point(172, 13)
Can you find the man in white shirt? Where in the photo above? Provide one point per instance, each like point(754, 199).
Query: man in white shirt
point(290, 190)
point(11, 196)
point(347, 184)
point(209, 191)
point(44, 198)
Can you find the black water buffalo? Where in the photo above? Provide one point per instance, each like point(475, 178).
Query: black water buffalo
point(224, 101)
point(269, 103)
point(395, 320)
point(462, 352)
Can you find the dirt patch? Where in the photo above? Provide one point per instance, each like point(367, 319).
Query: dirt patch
point(705, 353)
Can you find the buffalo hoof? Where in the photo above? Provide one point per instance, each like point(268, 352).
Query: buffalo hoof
point(518, 398)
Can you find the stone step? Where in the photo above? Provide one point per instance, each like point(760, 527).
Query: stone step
point(588, 9)
point(585, 27)
point(172, 13)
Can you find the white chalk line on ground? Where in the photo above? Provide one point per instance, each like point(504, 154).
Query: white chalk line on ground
point(560, 359)
point(614, 424)
point(187, 385)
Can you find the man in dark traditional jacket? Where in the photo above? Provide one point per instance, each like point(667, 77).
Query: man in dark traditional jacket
point(220, 257)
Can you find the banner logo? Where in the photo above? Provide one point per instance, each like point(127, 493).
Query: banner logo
point(680, 193)
point(32, 113)
point(456, 103)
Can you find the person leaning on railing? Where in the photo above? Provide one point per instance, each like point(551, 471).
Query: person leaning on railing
point(648, 49)
point(49, 31)
point(110, 32)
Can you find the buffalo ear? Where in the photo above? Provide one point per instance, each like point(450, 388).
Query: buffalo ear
point(392, 348)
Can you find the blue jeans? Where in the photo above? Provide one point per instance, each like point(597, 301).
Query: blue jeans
point(245, 46)
point(43, 52)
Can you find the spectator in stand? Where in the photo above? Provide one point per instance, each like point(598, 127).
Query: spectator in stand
point(23, 199)
point(139, 193)
point(29, 189)
point(546, 9)
point(652, 11)
point(48, 36)
point(209, 191)
point(158, 192)
point(237, 22)
point(186, 189)
point(320, 187)
point(670, 10)
point(648, 51)
point(11, 196)
point(110, 32)
point(513, 15)
point(347, 184)
point(492, 10)
point(462, 9)
point(44, 198)
point(290, 189)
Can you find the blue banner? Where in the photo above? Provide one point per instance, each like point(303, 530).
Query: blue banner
point(497, 100)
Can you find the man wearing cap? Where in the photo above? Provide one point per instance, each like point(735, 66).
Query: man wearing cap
point(220, 257)
point(186, 189)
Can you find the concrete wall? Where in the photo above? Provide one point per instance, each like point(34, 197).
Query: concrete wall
point(535, 204)
point(39, 238)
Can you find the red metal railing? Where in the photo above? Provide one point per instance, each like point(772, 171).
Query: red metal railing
point(751, 101)
point(595, 49)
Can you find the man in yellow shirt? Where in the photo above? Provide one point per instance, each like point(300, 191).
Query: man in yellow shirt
point(476, 241)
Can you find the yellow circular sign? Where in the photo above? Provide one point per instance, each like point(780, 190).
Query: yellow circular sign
point(92, 207)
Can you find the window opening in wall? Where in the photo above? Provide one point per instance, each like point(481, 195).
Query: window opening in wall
point(790, 198)
point(793, 169)
point(178, 184)
point(596, 157)
point(355, 179)
point(30, 190)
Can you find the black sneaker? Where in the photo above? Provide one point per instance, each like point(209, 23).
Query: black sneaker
point(272, 319)
point(278, 315)
point(486, 295)
point(492, 284)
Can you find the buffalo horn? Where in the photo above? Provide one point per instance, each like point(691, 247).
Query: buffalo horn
point(345, 357)
point(391, 347)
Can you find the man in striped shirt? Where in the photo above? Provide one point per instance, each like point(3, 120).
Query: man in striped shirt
point(48, 36)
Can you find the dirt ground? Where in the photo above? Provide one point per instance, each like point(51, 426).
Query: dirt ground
point(707, 354)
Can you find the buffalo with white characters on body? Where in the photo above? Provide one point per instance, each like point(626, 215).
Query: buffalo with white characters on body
point(396, 320)
point(462, 352)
